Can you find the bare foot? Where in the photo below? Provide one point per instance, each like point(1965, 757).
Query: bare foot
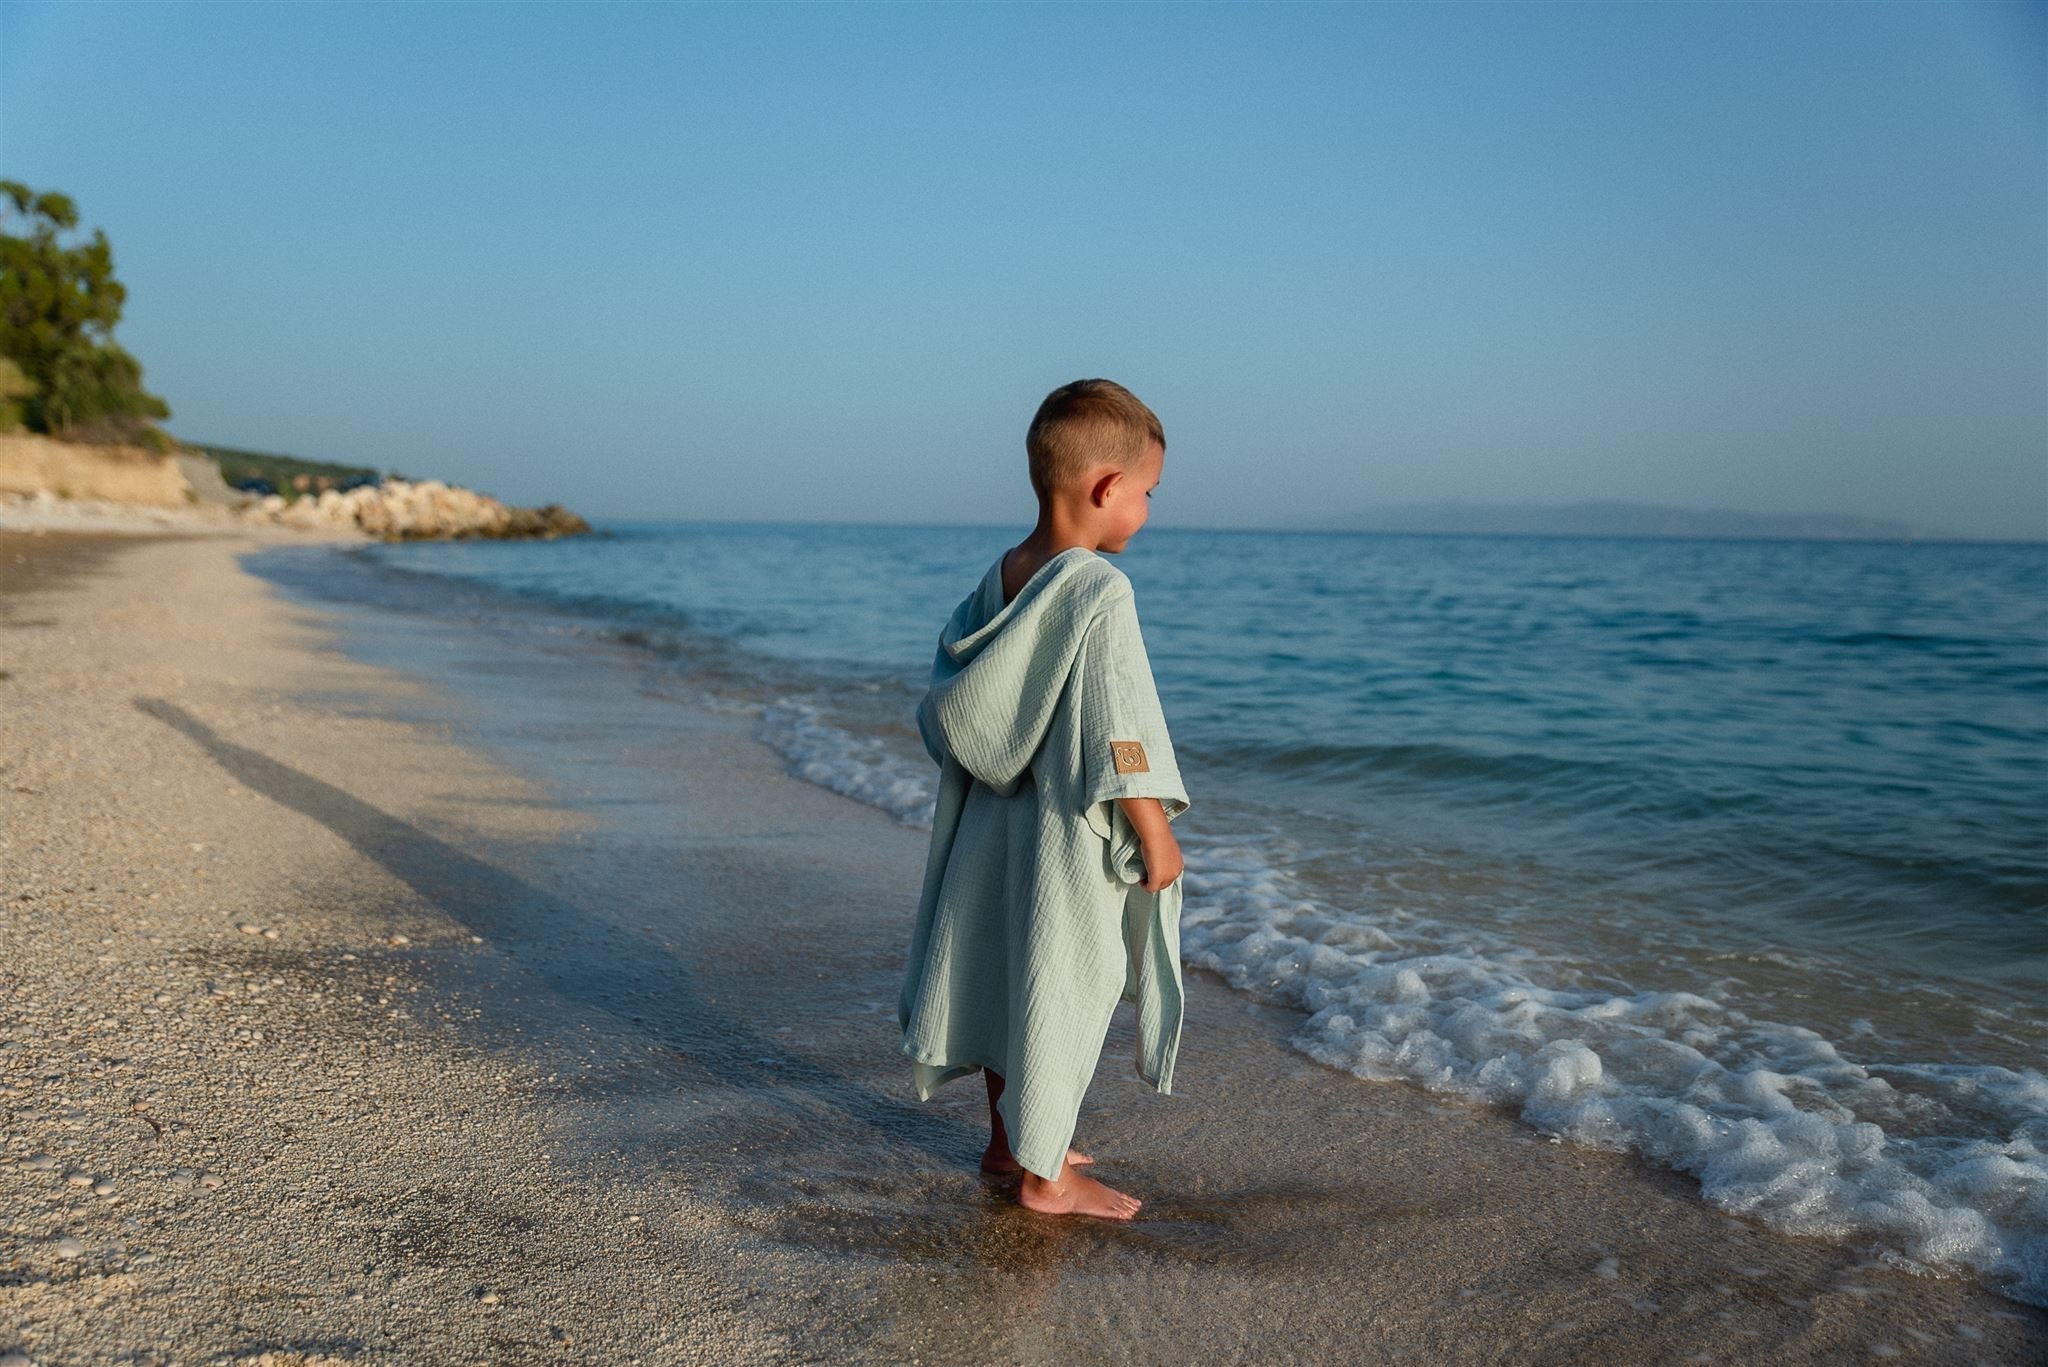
point(1075, 1194)
point(997, 1158)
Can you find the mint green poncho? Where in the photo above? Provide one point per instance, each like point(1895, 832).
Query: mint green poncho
point(1031, 925)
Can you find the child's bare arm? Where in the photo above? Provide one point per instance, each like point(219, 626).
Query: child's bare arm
point(1160, 850)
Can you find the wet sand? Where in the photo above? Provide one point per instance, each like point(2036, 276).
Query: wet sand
point(575, 1042)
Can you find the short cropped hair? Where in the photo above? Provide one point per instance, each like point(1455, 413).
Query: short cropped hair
point(1086, 424)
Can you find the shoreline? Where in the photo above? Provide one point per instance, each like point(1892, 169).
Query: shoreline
point(632, 942)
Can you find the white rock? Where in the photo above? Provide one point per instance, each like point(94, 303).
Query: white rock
point(68, 1248)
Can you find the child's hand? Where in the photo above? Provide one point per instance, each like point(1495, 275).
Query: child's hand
point(1157, 848)
point(1162, 859)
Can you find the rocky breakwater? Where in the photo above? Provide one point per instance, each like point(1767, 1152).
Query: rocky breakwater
point(401, 510)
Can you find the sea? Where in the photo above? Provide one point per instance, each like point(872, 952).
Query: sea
point(1729, 853)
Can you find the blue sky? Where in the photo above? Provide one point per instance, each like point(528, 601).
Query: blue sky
point(820, 262)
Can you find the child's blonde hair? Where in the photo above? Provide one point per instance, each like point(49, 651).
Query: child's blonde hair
point(1086, 424)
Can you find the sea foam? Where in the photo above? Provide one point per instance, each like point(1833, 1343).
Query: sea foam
point(857, 767)
point(1939, 1167)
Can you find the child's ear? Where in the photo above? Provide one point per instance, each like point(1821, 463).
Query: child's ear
point(1099, 494)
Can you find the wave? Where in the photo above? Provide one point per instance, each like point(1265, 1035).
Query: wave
point(857, 767)
point(1941, 1166)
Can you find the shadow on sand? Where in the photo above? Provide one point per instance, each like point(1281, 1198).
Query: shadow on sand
point(586, 959)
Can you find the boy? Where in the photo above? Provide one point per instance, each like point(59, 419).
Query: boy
point(1052, 889)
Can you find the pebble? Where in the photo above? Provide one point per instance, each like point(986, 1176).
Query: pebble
point(79, 1179)
point(400, 940)
point(41, 1162)
point(16, 1360)
point(181, 1180)
point(209, 1180)
point(68, 1248)
point(248, 929)
point(103, 1188)
point(488, 1298)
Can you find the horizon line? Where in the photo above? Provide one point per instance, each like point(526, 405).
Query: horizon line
point(1944, 539)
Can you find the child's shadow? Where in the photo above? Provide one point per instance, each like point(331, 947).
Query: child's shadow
point(580, 955)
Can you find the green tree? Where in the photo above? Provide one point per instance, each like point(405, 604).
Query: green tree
point(14, 387)
point(59, 303)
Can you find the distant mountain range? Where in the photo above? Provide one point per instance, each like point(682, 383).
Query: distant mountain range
point(1625, 519)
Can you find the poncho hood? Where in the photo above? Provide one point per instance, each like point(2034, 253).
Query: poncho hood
point(1000, 667)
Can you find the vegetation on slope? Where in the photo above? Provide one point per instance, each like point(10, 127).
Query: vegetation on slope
point(59, 302)
point(287, 475)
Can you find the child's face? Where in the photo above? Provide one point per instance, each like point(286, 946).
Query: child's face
point(1130, 499)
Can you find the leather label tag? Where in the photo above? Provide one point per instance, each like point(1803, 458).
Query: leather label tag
point(1129, 756)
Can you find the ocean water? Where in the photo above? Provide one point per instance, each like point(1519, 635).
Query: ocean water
point(1733, 854)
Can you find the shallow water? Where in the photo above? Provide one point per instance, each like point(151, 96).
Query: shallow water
point(1727, 853)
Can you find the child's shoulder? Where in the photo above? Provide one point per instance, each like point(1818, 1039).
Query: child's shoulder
point(1093, 570)
point(1075, 577)
point(1089, 584)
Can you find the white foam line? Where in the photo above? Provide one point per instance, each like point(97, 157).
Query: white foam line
point(1941, 1166)
point(859, 768)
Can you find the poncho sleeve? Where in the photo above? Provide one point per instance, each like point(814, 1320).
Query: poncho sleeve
point(1125, 748)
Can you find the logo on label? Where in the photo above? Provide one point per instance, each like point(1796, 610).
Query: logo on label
point(1129, 756)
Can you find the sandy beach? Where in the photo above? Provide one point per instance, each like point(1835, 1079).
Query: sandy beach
point(377, 986)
